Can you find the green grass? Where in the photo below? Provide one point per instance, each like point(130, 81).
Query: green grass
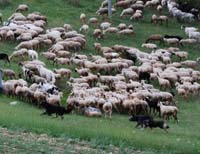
point(182, 138)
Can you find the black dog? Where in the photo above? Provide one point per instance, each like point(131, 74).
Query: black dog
point(153, 124)
point(4, 56)
point(141, 120)
point(58, 110)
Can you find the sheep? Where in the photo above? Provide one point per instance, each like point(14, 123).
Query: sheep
point(149, 46)
point(84, 28)
point(194, 35)
point(126, 32)
point(49, 55)
point(167, 111)
point(82, 71)
point(125, 12)
point(37, 79)
point(104, 11)
point(181, 54)
point(25, 44)
point(172, 41)
point(22, 8)
point(62, 61)
point(111, 30)
point(155, 37)
point(121, 26)
point(53, 99)
point(164, 83)
point(63, 72)
point(105, 25)
point(123, 4)
point(188, 41)
point(47, 74)
point(136, 16)
point(83, 17)
point(162, 19)
point(190, 63)
point(107, 108)
point(33, 55)
point(62, 53)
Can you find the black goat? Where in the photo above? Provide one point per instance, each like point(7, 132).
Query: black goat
point(58, 110)
point(140, 119)
point(5, 57)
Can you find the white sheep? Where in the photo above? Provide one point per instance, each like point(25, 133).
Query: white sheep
point(167, 111)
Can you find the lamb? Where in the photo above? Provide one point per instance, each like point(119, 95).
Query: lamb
point(167, 111)
point(98, 34)
point(107, 108)
point(83, 18)
point(84, 28)
point(154, 19)
point(33, 55)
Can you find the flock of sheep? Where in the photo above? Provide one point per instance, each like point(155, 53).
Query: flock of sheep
point(109, 81)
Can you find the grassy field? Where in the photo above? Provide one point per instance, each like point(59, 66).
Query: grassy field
point(182, 138)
